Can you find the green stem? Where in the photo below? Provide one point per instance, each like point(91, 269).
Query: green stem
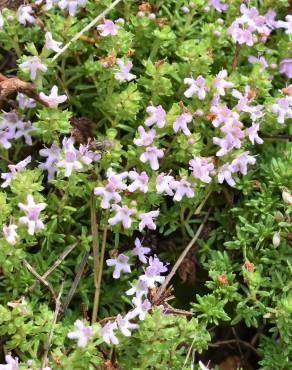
point(154, 50)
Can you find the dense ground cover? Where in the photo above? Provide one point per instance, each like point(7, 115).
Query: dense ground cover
point(145, 202)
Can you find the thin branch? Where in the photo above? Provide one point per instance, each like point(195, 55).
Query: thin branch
point(58, 261)
point(233, 341)
point(51, 334)
point(86, 28)
point(39, 278)
point(236, 56)
point(180, 259)
point(75, 282)
point(280, 137)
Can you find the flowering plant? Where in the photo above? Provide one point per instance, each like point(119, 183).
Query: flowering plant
point(146, 198)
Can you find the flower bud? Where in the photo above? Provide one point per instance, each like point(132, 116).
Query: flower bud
point(152, 16)
point(274, 65)
point(185, 9)
point(287, 197)
point(276, 240)
point(206, 9)
point(191, 141)
point(216, 33)
point(279, 216)
point(140, 14)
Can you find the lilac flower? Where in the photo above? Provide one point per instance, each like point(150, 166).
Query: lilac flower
point(24, 14)
point(86, 155)
point(153, 271)
point(11, 363)
point(140, 251)
point(239, 34)
point(253, 134)
point(53, 155)
point(185, 9)
point(107, 28)
point(225, 173)
point(32, 211)
point(107, 332)
point(223, 115)
point(82, 333)
point(33, 64)
point(71, 161)
point(140, 289)
point(283, 108)
point(10, 235)
point(227, 143)
point(146, 138)
point(8, 126)
point(53, 99)
point(24, 101)
point(24, 129)
point(240, 163)
point(125, 325)
point(49, 3)
point(261, 60)
point(221, 84)
point(124, 72)
point(287, 25)
point(141, 308)
point(123, 214)
point(147, 220)
point(121, 265)
point(197, 86)
point(216, 4)
point(181, 122)
point(255, 112)
point(164, 184)
point(51, 44)
point(157, 115)
point(151, 155)
point(72, 5)
point(286, 67)
point(14, 169)
point(182, 188)
point(201, 168)
point(140, 181)
point(243, 99)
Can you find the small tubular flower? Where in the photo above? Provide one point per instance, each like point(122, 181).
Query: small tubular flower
point(124, 73)
point(9, 233)
point(151, 155)
point(201, 168)
point(181, 123)
point(53, 99)
point(140, 181)
point(147, 220)
point(123, 215)
point(33, 64)
point(182, 188)
point(146, 138)
point(82, 333)
point(107, 332)
point(157, 115)
point(32, 211)
point(107, 28)
point(120, 264)
point(140, 251)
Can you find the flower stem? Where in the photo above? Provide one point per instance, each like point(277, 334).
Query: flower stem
point(236, 56)
point(95, 247)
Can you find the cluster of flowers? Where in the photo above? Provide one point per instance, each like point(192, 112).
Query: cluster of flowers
point(13, 364)
point(13, 127)
point(140, 290)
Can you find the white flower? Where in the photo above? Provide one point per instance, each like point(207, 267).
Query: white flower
point(51, 43)
point(82, 333)
point(125, 325)
point(140, 251)
point(124, 73)
point(32, 211)
point(24, 14)
point(33, 64)
point(108, 334)
point(121, 265)
point(10, 234)
point(53, 99)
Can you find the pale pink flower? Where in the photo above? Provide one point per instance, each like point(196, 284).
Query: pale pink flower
point(283, 108)
point(107, 28)
point(24, 101)
point(123, 214)
point(253, 134)
point(51, 44)
point(286, 24)
point(164, 184)
point(107, 332)
point(147, 220)
point(146, 138)
point(33, 64)
point(32, 211)
point(53, 99)
point(14, 169)
point(153, 272)
point(124, 73)
point(141, 308)
point(225, 173)
point(157, 115)
point(182, 188)
point(72, 5)
point(201, 168)
point(10, 234)
point(125, 325)
point(120, 264)
point(24, 15)
point(221, 84)
point(151, 155)
point(140, 289)
point(11, 363)
point(140, 251)
point(240, 163)
point(82, 333)
point(140, 181)
point(181, 123)
point(53, 155)
point(71, 161)
point(197, 86)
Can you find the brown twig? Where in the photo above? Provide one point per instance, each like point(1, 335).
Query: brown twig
point(51, 334)
point(40, 278)
point(58, 261)
point(233, 341)
point(236, 56)
point(75, 283)
point(180, 259)
point(95, 247)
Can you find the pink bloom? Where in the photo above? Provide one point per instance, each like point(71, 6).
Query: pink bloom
point(287, 25)
point(24, 14)
point(164, 184)
point(141, 308)
point(107, 332)
point(53, 155)
point(32, 211)
point(147, 220)
point(140, 289)
point(223, 115)
point(140, 251)
point(51, 44)
point(282, 107)
point(33, 64)
point(140, 181)
point(153, 272)
point(125, 325)
point(216, 4)
point(121, 265)
point(225, 173)
point(228, 143)
point(124, 72)
point(24, 101)
point(253, 134)
point(151, 155)
point(107, 28)
point(11, 363)
point(23, 130)
point(14, 169)
point(240, 163)
point(201, 168)
point(72, 5)
point(53, 99)
point(157, 115)
point(10, 235)
point(71, 161)
point(286, 67)
point(221, 84)
point(82, 333)
point(181, 122)
point(146, 138)
point(87, 156)
point(197, 86)
point(182, 188)
point(123, 214)
point(260, 60)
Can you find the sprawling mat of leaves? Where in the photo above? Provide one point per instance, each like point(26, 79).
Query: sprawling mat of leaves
point(162, 117)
